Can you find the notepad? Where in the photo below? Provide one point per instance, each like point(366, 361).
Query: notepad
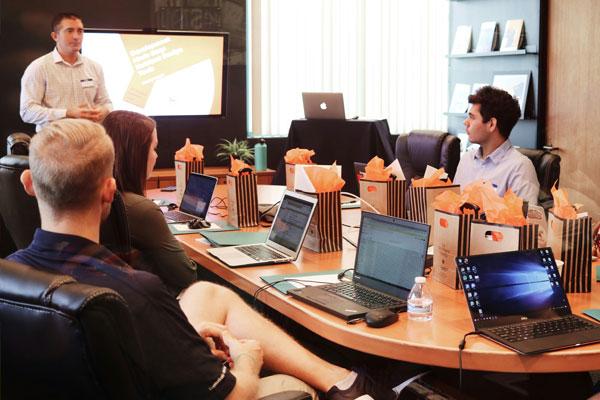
point(593, 312)
point(303, 279)
point(229, 238)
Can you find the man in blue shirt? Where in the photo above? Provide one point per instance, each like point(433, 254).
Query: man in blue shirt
point(210, 345)
point(491, 118)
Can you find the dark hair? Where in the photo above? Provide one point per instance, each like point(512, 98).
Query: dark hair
point(59, 17)
point(498, 104)
point(132, 136)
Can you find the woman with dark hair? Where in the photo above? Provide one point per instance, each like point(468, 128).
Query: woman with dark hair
point(135, 140)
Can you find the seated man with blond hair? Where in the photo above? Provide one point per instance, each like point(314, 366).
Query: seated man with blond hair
point(210, 344)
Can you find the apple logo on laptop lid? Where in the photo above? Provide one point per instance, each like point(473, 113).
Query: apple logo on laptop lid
point(323, 106)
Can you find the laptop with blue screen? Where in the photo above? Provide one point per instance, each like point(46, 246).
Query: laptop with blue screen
point(517, 299)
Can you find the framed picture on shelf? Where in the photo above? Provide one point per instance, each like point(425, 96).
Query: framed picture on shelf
point(515, 83)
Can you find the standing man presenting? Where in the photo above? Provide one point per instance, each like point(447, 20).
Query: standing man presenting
point(63, 83)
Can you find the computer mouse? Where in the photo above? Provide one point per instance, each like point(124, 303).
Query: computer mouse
point(380, 318)
point(198, 223)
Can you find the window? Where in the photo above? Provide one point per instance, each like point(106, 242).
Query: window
point(388, 57)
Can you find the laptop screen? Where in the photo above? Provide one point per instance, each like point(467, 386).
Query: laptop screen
point(291, 221)
point(197, 195)
point(504, 288)
point(391, 251)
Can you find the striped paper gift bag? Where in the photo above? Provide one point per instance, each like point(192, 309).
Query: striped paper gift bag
point(571, 242)
point(290, 175)
point(495, 238)
point(451, 239)
point(325, 231)
point(242, 200)
point(420, 200)
point(183, 169)
point(388, 197)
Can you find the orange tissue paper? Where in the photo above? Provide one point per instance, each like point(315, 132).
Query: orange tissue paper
point(299, 156)
point(507, 211)
point(562, 206)
point(324, 179)
point(190, 152)
point(237, 166)
point(448, 201)
point(432, 181)
point(475, 192)
point(375, 170)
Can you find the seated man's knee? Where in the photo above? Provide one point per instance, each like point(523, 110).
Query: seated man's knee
point(209, 290)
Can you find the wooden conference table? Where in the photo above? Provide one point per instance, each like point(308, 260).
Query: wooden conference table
point(433, 343)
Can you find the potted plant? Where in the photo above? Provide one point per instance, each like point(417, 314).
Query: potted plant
point(238, 149)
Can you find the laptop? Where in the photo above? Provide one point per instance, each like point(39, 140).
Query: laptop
point(390, 254)
point(323, 105)
point(517, 300)
point(195, 201)
point(284, 240)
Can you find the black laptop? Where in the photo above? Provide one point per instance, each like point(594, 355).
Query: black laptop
point(195, 201)
point(517, 299)
point(390, 253)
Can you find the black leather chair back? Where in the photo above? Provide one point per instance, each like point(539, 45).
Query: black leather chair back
point(18, 210)
point(7, 246)
point(547, 167)
point(421, 148)
point(18, 144)
point(66, 340)
point(21, 215)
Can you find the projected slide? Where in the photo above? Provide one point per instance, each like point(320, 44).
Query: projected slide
point(160, 74)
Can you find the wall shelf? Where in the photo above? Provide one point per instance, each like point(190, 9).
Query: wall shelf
point(480, 68)
point(494, 54)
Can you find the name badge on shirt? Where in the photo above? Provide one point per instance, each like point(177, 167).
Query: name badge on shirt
point(87, 83)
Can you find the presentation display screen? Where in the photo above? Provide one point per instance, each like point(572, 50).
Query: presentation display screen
point(162, 73)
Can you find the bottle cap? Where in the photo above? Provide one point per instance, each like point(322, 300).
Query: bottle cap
point(420, 279)
point(262, 141)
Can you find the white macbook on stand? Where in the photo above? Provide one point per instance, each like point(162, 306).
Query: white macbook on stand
point(323, 105)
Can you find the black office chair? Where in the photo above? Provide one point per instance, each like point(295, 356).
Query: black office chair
point(18, 210)
point(18, 144)
point(21, 216)
point(547, 167)
point(65, 340)
point(420, 148)
point(7, 246)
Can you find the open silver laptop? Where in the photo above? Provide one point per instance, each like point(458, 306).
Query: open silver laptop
point(323, 105)
point(285, 238)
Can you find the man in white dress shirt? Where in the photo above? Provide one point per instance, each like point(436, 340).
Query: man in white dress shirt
point(63, 83)
point(491, 118)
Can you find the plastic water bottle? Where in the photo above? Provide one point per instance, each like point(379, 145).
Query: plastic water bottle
point(260, 155)
point(420, 303)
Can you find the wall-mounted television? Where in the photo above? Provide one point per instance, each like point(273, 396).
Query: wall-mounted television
point(162, 73)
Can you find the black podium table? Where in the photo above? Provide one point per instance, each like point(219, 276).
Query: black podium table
point(343, 141)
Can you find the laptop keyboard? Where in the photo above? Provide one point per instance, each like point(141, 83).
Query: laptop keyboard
point(260, 253)
point(177, 216)
point(364, 296)
point(540, 329)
